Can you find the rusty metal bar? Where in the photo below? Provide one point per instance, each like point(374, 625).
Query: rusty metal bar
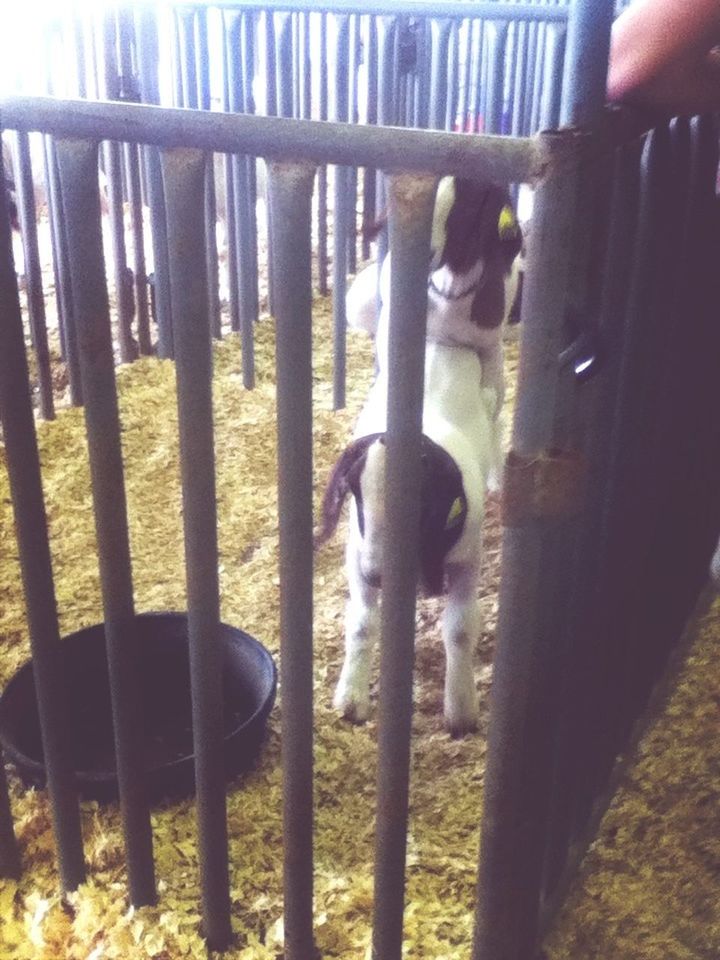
point(291, 194)
point(412, 201)
point(184, 177)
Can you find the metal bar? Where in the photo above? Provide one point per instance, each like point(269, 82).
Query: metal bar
point(453, 74)
point(132, 165)
point(57, 214)
point(588, 49)
point(147, 51)
point(341, 218)
point(439, 43)
point(523, 711)
point(284, 63)
point(387, 31)
point(23, 464)
point(184, 177)
point(123, 293)
point(496, 37)
point(244, 212)
point(77, 162)
point(10, 866)
point(54, 245)
point(410, 8)
point(230, 204)
point(412, 200)
point(352, 174)
point(322, 252)
point(252, 300)
point(551, 99)
point(500, 159)
point(33, 274)
point(369, 174)
point(202, 60)
point(537, 76)
point(291, 194)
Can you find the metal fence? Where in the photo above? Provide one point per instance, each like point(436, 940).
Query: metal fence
point(481, 67)
point(611, 487)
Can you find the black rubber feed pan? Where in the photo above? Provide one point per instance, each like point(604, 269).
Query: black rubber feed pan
point(249, 685)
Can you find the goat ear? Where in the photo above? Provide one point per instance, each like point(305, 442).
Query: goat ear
point(343, 480)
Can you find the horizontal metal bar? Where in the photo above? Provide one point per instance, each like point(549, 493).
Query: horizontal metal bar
point(499, 159)
point(412, 8)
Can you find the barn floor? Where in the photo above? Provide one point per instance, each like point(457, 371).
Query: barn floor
point(649, 891)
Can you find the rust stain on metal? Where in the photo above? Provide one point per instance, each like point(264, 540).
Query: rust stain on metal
point(548, 486)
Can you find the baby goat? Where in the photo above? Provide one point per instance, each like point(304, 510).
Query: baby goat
point(459, 448)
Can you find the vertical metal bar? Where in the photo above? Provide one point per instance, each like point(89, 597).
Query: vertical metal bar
point(33, 273)
point(54, 244)
point(132, 165)
point(439, 43)
point(323, 171)
point(284, 63)
point(187, 64)
point(340, 217)
point(537, 77)
point(10, 867)
point(523, 711)
point(272, 109)
point(412, 200)
point(530, 75)
point(387, 30)
point(552, 76)
point(202, 78)
point(63, 275)
point(352, 173)
point(453, 75)
point(588, 49)
point(243, 209)
point(496, 36)
point(369, 174)
point(291, 195)
point(252, 299)
point(229, 53)
point(518, 80)
point(184, 176)
point(77, 162)
point(148, 59)
point(23, 464)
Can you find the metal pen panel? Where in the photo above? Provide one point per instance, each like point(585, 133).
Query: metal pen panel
point(369, 174)
point(184, 177)
point(291, 195)
point(23, 465)
point(341, 218)
point(518, 778)
point(33, 274)
point(229, 53)
point(412, 199)
point(247, 40)
point(405, 8)
point(54, 245)
point(352, 117)
point(10, 866)
point(588, 49)
point(439, 47)
point(387, 30)
point(283, 23)
point(77, 162)
point(123, 293)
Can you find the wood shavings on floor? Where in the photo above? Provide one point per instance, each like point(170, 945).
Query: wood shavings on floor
point(446, 775)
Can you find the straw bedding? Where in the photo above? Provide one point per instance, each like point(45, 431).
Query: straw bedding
point(634, 885)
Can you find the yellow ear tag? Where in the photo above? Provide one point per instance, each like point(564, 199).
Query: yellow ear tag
point(507, 224)
point(455, 513)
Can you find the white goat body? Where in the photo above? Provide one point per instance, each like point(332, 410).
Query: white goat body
point(459, 417)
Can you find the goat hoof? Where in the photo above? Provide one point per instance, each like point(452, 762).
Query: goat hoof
point(461, 728)
point(352, 708)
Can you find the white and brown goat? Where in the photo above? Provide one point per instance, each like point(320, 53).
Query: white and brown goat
point(459, 449)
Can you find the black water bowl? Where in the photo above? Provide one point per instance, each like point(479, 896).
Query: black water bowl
point(249, 684)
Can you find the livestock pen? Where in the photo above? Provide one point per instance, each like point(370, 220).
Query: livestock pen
point(609, 507)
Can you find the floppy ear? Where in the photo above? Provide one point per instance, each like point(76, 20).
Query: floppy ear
point(344, 479)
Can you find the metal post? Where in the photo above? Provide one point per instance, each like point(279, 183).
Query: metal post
point(132, 165)
point(33, 274)
point(588, 49)
point(229, 52)
point(412, 200)
point(538, 537)
point(291, 194)
point(369, 174)
point(184, 177)
point(322, 252)
point(77, 162)
point(23, 465)
point(555, 34)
